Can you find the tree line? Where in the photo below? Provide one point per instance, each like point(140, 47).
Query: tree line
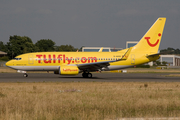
point(170, 50)
point(22, 44)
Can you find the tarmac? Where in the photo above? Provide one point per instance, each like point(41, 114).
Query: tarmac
point(97, 77)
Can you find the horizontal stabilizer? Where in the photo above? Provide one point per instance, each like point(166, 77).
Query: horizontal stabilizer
point(152, 55)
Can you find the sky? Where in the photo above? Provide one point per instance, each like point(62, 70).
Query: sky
point(94, 23)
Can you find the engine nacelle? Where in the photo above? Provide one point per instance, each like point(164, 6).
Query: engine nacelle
point(67, 70)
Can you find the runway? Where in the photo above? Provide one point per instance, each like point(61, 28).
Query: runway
point(97, 77)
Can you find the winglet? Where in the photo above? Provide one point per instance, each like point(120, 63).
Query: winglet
point(100, 50)
point(126, 55)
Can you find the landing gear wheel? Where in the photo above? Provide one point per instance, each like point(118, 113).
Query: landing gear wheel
point(89, 75)
point(84, 75)
point(25, 75)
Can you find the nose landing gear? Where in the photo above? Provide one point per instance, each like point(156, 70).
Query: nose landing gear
point(25, 75)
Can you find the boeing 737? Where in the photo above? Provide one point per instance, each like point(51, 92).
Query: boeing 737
point(73, 63)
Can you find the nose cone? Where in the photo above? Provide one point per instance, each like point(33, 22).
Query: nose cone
point(8, 63)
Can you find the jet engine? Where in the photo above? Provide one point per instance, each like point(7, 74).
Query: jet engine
point(67, 70)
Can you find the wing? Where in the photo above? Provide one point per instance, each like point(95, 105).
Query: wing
point(99, 65)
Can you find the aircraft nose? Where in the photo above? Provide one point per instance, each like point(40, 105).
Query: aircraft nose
point(8, 63)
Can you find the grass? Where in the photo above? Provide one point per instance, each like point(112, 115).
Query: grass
point(88, 100)
point(7, 70)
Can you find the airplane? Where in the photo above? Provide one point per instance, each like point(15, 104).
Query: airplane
point(73, 63)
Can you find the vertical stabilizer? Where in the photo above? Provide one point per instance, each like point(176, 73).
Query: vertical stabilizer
point(150, 42)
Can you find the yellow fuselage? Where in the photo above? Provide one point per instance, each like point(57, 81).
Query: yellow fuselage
point(41, 60)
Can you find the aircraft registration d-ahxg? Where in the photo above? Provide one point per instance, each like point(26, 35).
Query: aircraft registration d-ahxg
point(73, 63)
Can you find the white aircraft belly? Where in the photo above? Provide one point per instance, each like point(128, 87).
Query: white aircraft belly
point(116, 67)
point(54, 68)
point(36, 68)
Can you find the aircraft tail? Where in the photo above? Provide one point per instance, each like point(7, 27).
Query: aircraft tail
point(150, 42)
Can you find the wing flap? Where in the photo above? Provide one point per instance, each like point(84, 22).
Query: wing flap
point(94, 66)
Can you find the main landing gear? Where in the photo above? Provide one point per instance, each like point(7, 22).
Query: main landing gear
point(87, 75)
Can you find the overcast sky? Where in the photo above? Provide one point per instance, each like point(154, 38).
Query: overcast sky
point(108, 23)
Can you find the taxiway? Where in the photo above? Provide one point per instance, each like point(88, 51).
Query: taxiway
point(97, 77)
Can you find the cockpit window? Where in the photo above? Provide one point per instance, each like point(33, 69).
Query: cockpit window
point(17, 58)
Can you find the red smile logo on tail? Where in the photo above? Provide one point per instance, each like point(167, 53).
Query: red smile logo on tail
point(150, 44)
